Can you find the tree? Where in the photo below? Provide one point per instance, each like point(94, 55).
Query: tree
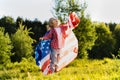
point(8, 23)
point(18, 21)
point(86, 36)
point(116, 34)
point(111, 26)
point(104, 45)
point(62, 8)
point(37, 28)
point(22, 43)
point(5, 47)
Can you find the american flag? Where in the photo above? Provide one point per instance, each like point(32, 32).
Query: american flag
point(42, 56)
point(68, 53)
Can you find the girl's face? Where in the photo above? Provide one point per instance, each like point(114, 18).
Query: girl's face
point(53, 23)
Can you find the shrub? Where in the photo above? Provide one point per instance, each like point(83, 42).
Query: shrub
point(22, 43)
point(5, 47)
point(105, 43)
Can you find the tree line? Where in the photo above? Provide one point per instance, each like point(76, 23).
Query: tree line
point(18, 38)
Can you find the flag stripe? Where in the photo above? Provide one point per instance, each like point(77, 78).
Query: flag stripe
point(67, 51)
point(45, 58)
point(66, 60)
point(45, 64)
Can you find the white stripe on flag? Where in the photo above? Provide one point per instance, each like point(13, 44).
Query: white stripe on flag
point(69, 46)
point(66, 60)
point(45, 59)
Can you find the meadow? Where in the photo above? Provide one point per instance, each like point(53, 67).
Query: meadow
point(79, 69)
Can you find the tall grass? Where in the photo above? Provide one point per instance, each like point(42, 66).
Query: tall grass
point(79, 69)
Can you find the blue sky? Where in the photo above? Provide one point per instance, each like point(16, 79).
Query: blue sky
point(99, 10)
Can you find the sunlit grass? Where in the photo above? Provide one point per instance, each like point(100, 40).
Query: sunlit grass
point(79, 69)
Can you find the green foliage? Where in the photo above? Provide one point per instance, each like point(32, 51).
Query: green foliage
point(86, 36)
point(112, 26)
point(19, 71)
point(62, 8)
point(104, 45)
point(22, 43)
point(118, 53)
point(26, 65)
point(11, 26)
point(116, 34)
point(79, 69)
point(38, 28)
point(8, 23)
point(5, 47)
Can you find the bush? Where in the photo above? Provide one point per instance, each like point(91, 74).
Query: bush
point(22, 43)
point(118, 53)
point(105, 43)
point(86, 35)
point(5, 47)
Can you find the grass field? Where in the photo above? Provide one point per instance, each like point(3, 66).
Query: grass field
point(79, 69)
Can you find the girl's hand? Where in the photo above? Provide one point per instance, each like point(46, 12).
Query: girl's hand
point(41, 38)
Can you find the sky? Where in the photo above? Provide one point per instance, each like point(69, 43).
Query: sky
point(99, 10)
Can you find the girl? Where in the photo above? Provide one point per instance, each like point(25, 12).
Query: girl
point(57, 34)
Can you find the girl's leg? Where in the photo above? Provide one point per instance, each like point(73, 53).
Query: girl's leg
point(54, 58)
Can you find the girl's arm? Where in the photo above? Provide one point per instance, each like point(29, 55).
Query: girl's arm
point(47, 36)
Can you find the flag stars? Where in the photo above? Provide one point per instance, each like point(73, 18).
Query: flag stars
point(46, 51)
point(47, 47)
point(48, 43)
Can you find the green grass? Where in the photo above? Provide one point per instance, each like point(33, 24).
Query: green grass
point(79, 69)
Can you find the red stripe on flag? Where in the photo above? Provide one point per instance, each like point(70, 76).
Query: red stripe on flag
point(47, 62)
